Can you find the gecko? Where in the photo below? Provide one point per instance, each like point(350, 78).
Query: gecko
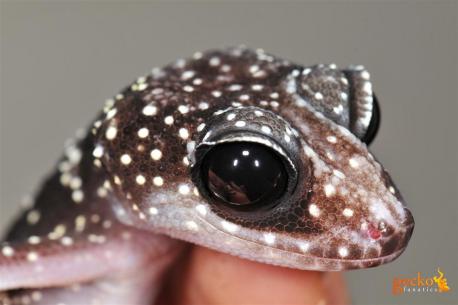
point(236, 150)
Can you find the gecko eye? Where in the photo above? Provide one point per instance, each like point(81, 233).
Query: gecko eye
point(244, 174)
point(374, 124)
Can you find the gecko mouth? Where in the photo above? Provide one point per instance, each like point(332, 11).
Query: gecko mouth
point(279, 255)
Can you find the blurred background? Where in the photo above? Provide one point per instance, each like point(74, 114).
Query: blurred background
point(60, 61)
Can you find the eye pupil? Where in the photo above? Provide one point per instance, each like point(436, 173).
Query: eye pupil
point(242, 173)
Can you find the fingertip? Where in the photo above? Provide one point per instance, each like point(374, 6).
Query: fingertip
point(215, 278)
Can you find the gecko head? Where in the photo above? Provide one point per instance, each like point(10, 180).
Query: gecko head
point(289, 183)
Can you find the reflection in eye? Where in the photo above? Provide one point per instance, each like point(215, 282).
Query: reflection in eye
point(241, 173)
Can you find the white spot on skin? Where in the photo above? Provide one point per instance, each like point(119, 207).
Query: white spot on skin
point(367, 87)
point(149, 110)
point(331, 139)
point(392, 190)
point(111, 113)
point(33, 217)
point(314, 210)
point(353, 163)
point(168, 120)
point(266, 129)
point(158, 181)
point(329, 190)
point(339, 174)
point(274, 95)
point(201, 209)
point(201, 127)
point(269, 238)
point(240, 124)
point(254, 69)
point(306, 71)
point(191, 225)
point(216, 93)
point(75, 183)
point(183, 109)
point(34, 240)
point(318, 96)
point(57, 232)
point(230, 116)
point(140, 179)
point(143, 132)
point(304, 246)
point(80, 223)
point(32, 256)
point(98, 151)
point(203, 106)
point(111, 132)
point(126, 159)
point(153, 211)
point(186, 161)
point(7, 251)
point(77, 196)
point(214, 61)
point(347, 212)
point(66, 241)
point(187, 75)
point(235, 87)
point(156, 154)
point(343, 252)
point(257, 87)
point(229, 226)
point(338, 109)
point(184, 189)
point(244, 97)
point(184, 133)
point(36, 296)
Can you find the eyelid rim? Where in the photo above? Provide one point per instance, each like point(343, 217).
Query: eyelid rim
point(245, 136)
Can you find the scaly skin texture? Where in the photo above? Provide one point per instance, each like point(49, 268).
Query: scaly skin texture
point(125, 195)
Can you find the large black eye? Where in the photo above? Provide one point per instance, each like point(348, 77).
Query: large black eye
point(244, 173)
point(374, 124)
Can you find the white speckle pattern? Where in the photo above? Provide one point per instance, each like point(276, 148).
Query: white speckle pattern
point(184, 189)
point(343, 252)
point(184, 133)
point(158, 181)
point(156, 154)
point(347, 212)
point(111, 132)
point(143, 132)
point(269, 238)
point(126, 159)
point(168, 120)
point(7, 251)
point(141, 152)
point(229, 226)
point(329, 190)
point(140, 179)
point(314, 210)
point(240, 124)
point(149, 110)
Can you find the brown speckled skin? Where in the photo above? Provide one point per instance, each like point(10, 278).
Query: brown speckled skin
point(131, 176)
